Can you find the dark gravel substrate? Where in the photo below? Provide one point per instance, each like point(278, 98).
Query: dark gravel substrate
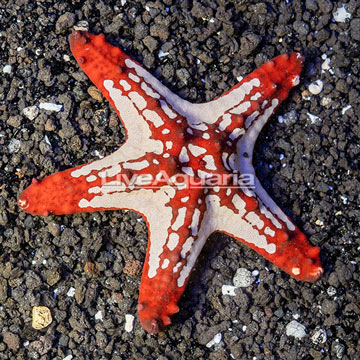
point(308, 163)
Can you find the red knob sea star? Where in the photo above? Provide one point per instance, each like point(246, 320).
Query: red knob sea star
point(177, 169)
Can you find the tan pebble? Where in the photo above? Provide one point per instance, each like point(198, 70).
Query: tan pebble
point(50, 125)
point(80, 292)
point(305, 95)
point(41, 317)
point(132, 268)
point(95, 93)
point(19, 174)
point(90, 268)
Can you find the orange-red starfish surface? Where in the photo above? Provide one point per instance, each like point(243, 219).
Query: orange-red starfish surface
point(186, 168)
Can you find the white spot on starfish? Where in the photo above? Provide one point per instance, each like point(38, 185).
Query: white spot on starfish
point(91, 178)
point(196, 150)
point(133, 77)
point(179, 219)
point(165, 263)
point(154, 117)
point(173, 241)
point(138, 100)
point(126, 86)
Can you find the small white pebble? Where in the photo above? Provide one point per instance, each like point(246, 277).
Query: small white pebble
point(129, 322)
point(31, 112)
point(46, 138)
point(314, 119)
point(59, 290)
point(344, 199)
point(316, 87)
point(255, 273)
point(243, 278)
point(71, 292)
point(162, 54)
point(50, 106)
point(295, 329)
point(66, 58)
point(228, 290)
point(14, 146)
point(99, 316)
point(326, 64)
point(340, 15)
point(7, 69)
point(69, 357)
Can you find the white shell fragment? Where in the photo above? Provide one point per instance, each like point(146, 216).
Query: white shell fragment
point(71, 292)
point(7, 69)
point(50, 106)
point(345, 109)
point(314, 119)
point(215, 340)
point(129, 322)
point(69, 357)
point(316, 87)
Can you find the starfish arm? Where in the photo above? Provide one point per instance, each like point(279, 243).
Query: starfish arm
point(139, 98)
point(84, 188)
point(255, 220)
point(177, 247)
point(235, 111)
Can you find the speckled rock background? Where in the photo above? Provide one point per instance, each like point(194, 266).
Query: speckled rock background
point(86, 268)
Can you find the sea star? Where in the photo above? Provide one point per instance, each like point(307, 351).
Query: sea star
point(186, 168)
